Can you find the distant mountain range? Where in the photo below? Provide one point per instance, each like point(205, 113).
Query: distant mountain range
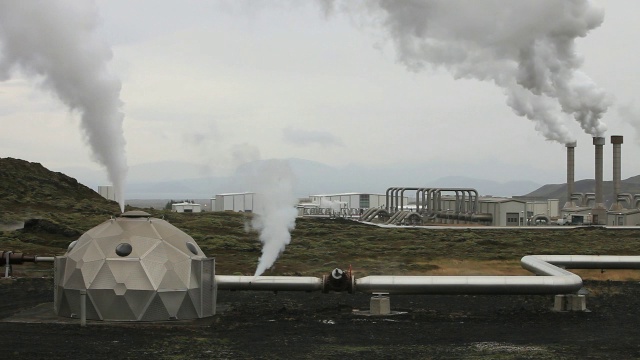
point(178, 180)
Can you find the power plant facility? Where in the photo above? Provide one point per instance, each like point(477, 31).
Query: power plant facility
point(139, 268)
point(440, 205)
point(590, 208)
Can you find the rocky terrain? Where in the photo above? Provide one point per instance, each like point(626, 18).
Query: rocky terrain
point(290, 325)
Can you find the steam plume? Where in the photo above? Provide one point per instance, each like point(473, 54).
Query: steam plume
point(526, 47)
point(274, 209)
point(54, 41)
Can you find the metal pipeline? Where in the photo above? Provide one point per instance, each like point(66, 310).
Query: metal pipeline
point(20, 258)
point(553, 279)
point(268, 283)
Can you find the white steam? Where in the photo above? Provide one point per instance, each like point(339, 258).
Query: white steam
point(55, 42)
point(527, 47)
point(274, 207)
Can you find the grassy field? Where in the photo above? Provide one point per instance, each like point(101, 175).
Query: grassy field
point(319, 245)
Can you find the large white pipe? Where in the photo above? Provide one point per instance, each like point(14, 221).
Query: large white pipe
point(270, 283)
point(552, 279)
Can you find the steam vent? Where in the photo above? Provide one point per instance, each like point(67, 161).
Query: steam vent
point(135, 268)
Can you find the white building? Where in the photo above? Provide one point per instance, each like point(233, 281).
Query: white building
point(550, 208)
point(352, 200)
point(107, 192)
point(186, 207)
point(238, 202)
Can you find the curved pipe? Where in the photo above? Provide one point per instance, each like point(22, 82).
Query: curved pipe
point(537, 217)
point(636, 201)
point(579, 197)
point(588, 197)
point(388, 199)
point(268, 283)
point(625, 197)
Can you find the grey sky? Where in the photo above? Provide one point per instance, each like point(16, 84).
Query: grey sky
point(202, 79)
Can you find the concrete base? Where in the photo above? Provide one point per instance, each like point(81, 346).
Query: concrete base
point(570, 302)
point(380, 305)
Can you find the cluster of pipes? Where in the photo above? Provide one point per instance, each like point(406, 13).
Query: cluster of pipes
point(595, 201)
point(429, 207)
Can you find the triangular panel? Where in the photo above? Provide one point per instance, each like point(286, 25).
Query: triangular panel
point(141, 245)
point(102, 299)
point(139, 228)
point(122, 269)
point(104, 279)
point(164, 229)
point(187, 309)
point(75, 280)
point(171, 281)
point(156, 310)
point(106, 229)
point(138, 300)
point(155, 271)
point(119, 310)
point(90, 270)
point(92, 253)
point(172, 301)
point(183, 270)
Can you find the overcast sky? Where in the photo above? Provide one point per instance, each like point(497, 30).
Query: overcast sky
point(219, 83)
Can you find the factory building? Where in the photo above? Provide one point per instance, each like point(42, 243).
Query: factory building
point(352, 200)
point(186, 207)
point(107, 192)
point(508, 211)
point(622, 217)
point(237, 202)
point(504, 211)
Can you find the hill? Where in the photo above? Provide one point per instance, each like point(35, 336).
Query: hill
point(559, 191)
point(51, 207)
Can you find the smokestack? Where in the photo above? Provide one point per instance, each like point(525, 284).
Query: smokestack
point(616, 140)
point(598, 210)
point(570, 172)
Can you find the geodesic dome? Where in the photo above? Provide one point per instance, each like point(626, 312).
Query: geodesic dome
point(135, 268)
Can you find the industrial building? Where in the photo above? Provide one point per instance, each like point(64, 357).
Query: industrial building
point(352, 200)
point(107, 192)
point(510, 211)
point(237, 202)
point(186, 207)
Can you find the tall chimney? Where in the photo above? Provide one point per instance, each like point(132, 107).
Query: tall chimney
point(616, 140)
point(599, 212)
point(570, 172)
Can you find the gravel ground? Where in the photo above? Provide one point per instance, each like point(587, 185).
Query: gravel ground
point(264, 325)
